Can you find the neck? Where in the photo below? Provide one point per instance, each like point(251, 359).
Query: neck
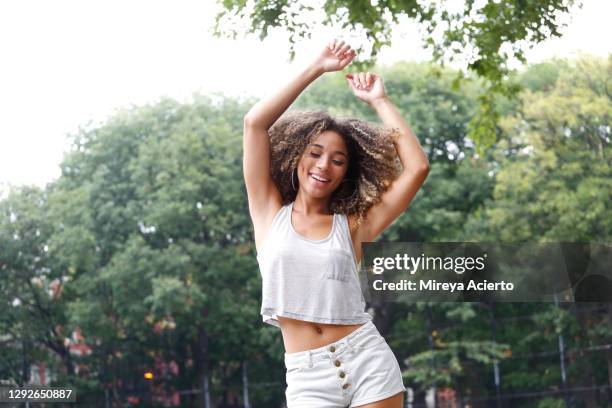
point(311, 206)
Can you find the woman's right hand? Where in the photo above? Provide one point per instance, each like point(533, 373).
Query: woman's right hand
point(334, 57)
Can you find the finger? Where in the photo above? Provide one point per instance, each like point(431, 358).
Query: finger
point(343, 50)
point(332, 44)
point(369, 78)
point(337, 46)
point(362, 80)
point(349, 52)
point(351, 80)
point(347, 58)
point(356, 80)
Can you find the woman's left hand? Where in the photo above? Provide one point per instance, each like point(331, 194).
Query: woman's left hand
point(366, 86)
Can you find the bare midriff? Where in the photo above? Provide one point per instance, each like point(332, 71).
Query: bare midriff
point(299, 335)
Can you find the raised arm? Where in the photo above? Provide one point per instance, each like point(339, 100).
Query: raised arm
point(369, 88)
point(264, 198)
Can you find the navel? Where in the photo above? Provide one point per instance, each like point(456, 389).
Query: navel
point(319, 330)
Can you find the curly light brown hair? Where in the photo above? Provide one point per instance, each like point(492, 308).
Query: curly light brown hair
point(373, 160)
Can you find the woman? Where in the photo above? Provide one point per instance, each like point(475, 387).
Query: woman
point(318, 187)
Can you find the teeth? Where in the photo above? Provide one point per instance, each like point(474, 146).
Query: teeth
point(318, 178)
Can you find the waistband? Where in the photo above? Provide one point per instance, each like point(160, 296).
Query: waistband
point(323, 352)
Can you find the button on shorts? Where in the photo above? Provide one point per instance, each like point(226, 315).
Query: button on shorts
point(358, 369)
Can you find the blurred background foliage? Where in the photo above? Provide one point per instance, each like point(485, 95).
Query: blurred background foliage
point(485, 36)
point(140, 257)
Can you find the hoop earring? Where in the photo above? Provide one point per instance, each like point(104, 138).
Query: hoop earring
point(292, 184)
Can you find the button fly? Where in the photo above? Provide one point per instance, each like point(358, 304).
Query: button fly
point(337, 363)
point(332, 349)
point(342, 374)
point(345, 386)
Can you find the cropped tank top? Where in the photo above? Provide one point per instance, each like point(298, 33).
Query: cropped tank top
point(310, 280)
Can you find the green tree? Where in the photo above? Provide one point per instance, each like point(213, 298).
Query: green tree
point(487, 35)
point(553, 183)
point(148, 230)
point(33, 316)
point(163, 263)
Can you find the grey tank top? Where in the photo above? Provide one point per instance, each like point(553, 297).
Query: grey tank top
point(310, 280)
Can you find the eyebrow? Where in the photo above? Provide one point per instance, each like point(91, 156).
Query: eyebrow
point(337, 151)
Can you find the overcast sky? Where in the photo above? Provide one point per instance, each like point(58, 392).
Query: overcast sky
point(67, 62)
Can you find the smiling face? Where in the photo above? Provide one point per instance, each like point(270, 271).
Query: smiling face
point(323, 165)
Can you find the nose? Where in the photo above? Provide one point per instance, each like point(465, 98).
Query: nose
point(322, 162)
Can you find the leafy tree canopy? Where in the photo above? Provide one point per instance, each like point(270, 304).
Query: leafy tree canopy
point(484, 34)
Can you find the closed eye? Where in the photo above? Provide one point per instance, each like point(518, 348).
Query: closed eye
point(336, 162)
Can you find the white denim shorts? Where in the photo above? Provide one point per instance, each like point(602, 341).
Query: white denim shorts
point(358, 369)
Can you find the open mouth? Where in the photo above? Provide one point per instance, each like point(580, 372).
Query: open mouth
point(318, 179)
